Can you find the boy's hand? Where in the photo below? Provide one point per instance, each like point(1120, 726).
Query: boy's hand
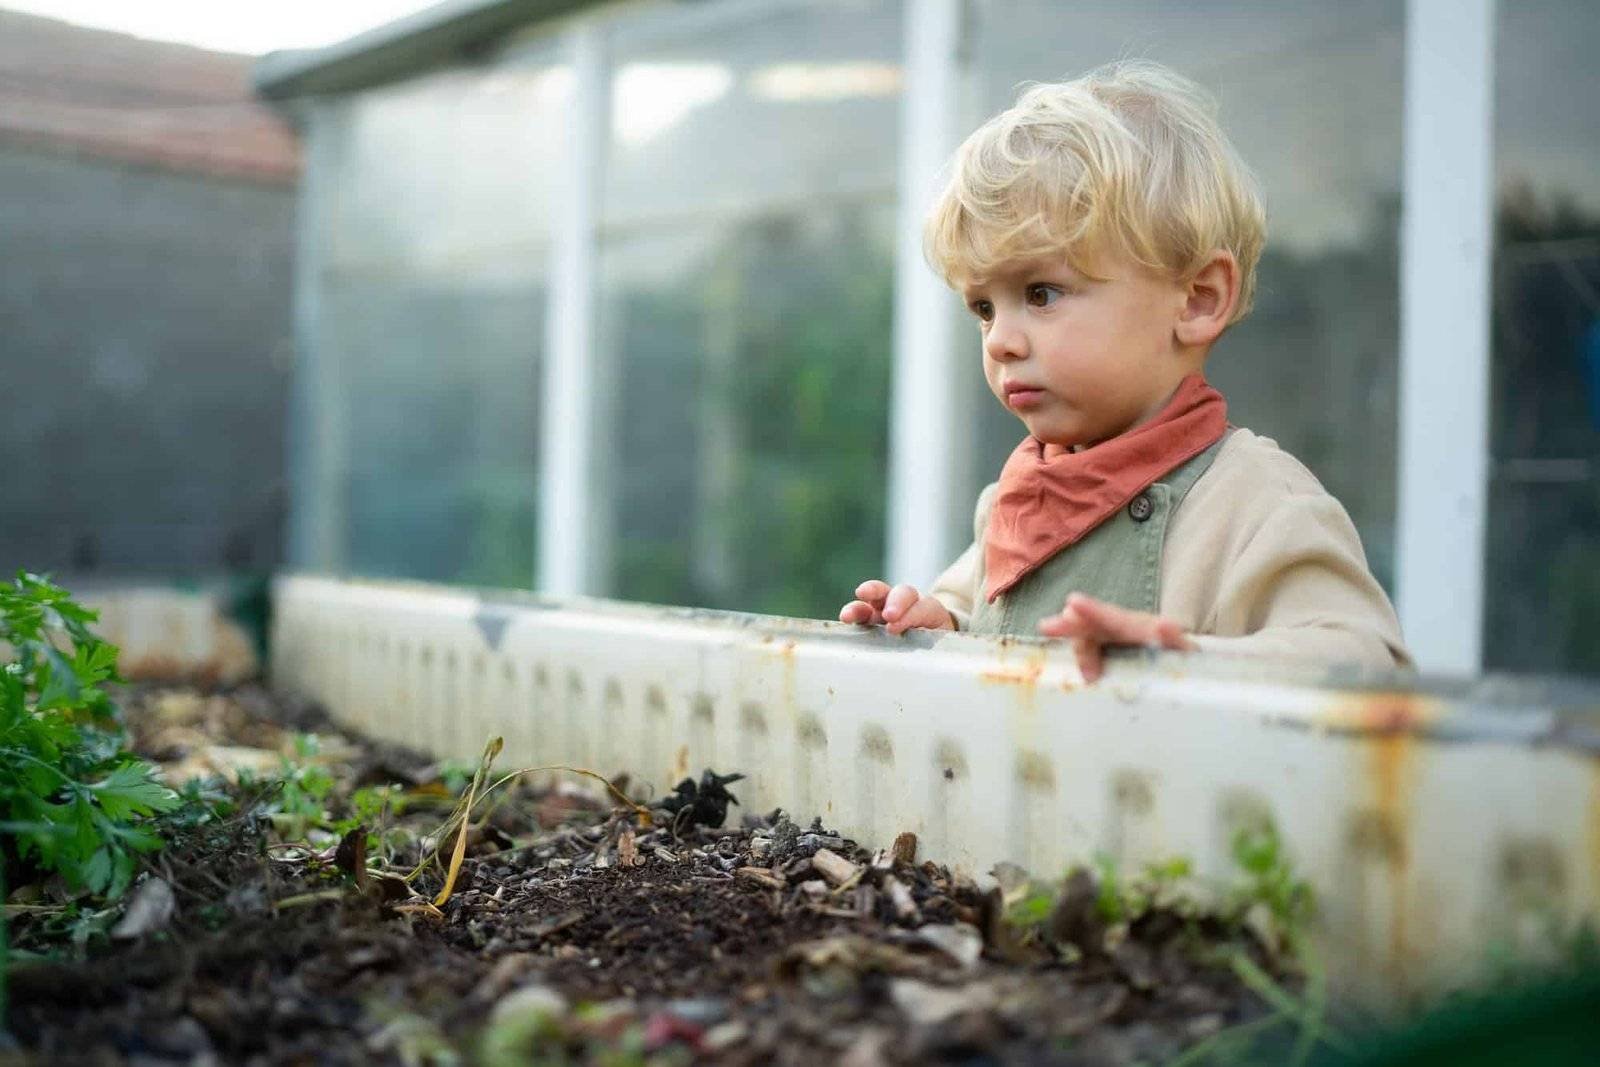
point(1093, 624)
point(899, 609)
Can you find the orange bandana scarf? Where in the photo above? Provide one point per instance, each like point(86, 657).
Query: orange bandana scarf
point(1051, 497)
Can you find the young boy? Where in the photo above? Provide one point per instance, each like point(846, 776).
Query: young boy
point(1105, 234)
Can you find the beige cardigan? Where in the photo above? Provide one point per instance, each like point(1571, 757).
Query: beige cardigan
point(1259, 560)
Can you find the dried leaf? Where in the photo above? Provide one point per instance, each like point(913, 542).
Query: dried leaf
point(490, 751)
point(351, 856)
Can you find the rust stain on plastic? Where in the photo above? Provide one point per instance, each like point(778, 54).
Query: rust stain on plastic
point(1386, 724)
point(1024, 675)
point(1385, 713)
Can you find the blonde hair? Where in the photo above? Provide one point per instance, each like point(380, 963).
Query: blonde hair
point(1128, 158)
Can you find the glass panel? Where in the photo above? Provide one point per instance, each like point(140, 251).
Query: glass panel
point(1543, 566)
point(431, 316)
point(745, 298)
point(450, 165)
point(441, 390)
point(736, 105)
point(1310, 93)
point(752, 418)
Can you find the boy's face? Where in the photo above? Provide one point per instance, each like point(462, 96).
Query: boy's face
point(1080, 360)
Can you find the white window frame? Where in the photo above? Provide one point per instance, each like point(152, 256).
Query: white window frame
point(573, 534)
point(1446, 246)
point(930, 431)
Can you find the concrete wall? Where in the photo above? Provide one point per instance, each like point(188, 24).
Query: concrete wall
point(144, 366)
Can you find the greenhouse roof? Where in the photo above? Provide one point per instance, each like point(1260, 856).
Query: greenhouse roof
point(446, 30)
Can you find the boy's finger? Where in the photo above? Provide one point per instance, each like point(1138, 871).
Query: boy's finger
point(873, 591)
point(1169, 634)
point(901, 597)
point(858, 612)
point(926, 613)
point(1068, 624)
point(1091, 656)
point(1113, 624)
point(1121, 626)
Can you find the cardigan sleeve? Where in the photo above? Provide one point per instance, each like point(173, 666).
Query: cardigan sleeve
point(1285, 573)
point(960, 586)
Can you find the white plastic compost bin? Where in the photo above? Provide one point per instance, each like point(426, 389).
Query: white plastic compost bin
point(1439, 823)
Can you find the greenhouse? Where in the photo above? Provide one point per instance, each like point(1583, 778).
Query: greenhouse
point(650, 276)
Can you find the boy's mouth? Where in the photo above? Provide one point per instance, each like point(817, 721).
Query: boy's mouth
point(1020, 395)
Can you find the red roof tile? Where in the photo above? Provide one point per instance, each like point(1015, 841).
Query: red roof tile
point(115, 96)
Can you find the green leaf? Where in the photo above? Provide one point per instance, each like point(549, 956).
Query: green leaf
point(130, 790)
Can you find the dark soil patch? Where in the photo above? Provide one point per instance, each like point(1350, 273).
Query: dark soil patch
point(590, 941)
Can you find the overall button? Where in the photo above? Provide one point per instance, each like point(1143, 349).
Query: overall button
point(1141, 507)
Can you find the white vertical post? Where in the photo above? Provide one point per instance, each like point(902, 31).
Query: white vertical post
point(927, 434)
point(319, 452)
point(570, 555)
point(1445, 247)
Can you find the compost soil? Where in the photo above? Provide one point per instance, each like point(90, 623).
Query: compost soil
point(575, 934)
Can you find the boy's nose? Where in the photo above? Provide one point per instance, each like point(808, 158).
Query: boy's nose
point(1006, 341)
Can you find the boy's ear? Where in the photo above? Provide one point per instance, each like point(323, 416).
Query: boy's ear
point(1210, 297)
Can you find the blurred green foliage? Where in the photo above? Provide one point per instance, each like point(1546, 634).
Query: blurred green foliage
point(72, 801)
point(768, 495)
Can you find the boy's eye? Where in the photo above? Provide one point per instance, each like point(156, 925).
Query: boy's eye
point(983, 309)
point(1040, 295)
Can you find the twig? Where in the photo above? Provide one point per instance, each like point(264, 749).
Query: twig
point(308, 898)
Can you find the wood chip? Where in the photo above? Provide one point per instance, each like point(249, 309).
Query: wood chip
point(900, 899)
point(760, 876)
point(627, 848)
point(834, 867)
point(663, 854)
point(904, 849)
point(866, 900)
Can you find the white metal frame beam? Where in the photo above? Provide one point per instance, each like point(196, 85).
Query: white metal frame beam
point(1445, 250)
point(571, 531)
point(927, 431)
point(319, 445)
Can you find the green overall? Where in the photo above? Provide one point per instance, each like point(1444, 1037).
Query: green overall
point(1118, 561)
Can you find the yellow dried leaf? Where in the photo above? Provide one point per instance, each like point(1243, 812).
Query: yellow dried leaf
point(490, 751)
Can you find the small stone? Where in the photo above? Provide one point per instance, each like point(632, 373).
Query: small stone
point(929, 1005)
point(150, 909)
point(664, 854)
point(960, 942)
point(760, 847)
point(501, 977)
point(870, 1049)
point(725, 1036)
point(704, 1011)
point(529, 1001)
